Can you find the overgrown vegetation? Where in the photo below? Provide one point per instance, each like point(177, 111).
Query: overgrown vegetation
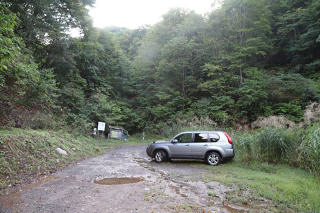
point(295, 147)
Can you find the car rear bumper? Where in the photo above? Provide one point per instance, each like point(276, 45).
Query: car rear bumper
point(229, 153)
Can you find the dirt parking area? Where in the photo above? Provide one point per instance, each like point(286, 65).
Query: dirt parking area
point(126, 180)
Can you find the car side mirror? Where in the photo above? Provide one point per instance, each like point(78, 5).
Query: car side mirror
point(174, 141)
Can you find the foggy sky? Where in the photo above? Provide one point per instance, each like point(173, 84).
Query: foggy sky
point(135, 13)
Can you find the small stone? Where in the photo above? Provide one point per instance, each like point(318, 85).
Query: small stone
point(57, 160)
point(61, 151)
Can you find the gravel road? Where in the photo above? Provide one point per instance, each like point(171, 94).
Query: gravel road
point(134, 184)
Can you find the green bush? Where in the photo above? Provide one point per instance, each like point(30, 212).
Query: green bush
point(291, 110)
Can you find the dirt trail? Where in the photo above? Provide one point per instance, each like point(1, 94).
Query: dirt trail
point(122, 180)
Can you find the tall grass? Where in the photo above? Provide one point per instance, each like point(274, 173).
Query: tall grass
point(277, 145)
point(309, 150)
point(296, 147)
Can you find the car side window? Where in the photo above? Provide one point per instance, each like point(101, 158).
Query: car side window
point(214, 137)
point(184, 138)
point(200, 137)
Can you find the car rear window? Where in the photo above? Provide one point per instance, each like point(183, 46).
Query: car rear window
point(214, 137)
point(201, 137)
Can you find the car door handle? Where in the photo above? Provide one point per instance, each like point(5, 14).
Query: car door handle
point(187, 145)
point(205, 145)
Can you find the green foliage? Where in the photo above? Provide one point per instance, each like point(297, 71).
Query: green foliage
point(91, 75)
point(169, 57)
point(99, 107)
point(222, 67)
point(25, 88)
point(292, 87)
point(247, 59)
point(8, 41)
point(129, 41)
point(299, 22)
point(252, 97)
point(46, 21)
point(292, 110)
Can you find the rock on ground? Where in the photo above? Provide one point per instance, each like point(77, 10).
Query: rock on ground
point(61, 151)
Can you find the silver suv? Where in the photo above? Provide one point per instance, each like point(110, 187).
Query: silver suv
point(211, 146)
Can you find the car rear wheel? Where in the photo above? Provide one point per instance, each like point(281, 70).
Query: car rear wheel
point(160, 156)
point(213, 158)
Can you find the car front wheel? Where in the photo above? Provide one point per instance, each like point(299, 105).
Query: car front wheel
point(160, 156)
point(213, 158)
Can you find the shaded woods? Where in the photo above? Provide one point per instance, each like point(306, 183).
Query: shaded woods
point(247, 59)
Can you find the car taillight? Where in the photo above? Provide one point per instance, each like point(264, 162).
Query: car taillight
point(228, 137)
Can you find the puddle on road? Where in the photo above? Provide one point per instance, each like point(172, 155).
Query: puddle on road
point(118, 181)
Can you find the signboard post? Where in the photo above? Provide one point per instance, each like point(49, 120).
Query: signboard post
point(101, 128)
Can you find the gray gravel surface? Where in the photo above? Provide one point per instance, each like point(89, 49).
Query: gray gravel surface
point(166, 187)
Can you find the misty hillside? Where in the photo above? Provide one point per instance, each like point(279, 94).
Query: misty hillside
point(247, 59)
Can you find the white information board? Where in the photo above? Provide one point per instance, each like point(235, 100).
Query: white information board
point(101, 126)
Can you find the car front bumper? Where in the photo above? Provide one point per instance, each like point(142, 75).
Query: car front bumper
point(149, 151)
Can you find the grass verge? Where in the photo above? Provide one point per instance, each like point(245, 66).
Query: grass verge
point(27, 154)
point(284, 185)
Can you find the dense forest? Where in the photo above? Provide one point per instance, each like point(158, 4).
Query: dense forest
point(246, 59)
